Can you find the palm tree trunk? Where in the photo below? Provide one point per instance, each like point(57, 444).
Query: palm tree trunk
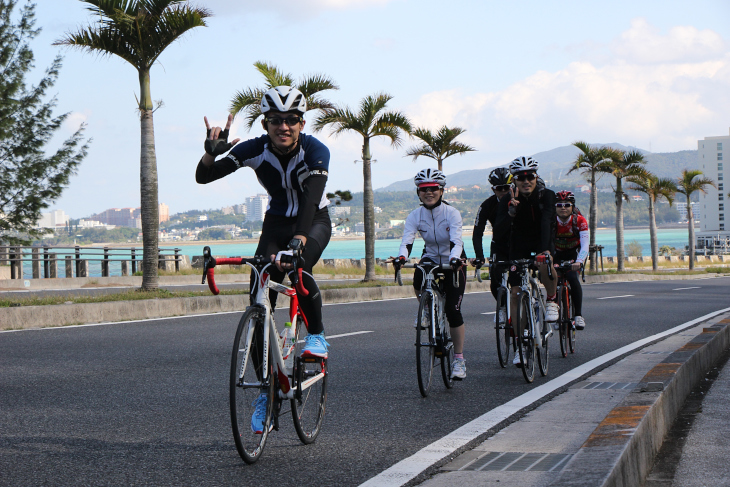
point(691, 234)
point(652, 236)
point(440, 164)
point(619, 225)
point(148, 186)
point(369, 212)
point(593, 223)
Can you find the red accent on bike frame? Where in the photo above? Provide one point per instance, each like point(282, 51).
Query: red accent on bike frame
point(284, 382)
point(264, 275)
point(300, 287)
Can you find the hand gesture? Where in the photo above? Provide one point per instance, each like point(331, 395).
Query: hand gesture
point(513, 202)
point(216, 139)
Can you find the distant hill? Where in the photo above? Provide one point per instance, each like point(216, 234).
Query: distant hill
point(555, 163)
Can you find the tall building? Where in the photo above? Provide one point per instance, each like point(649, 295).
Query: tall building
point(712, 203)
point(164, 212)
point(682, 209)
point(53, 219)
point(256, 207)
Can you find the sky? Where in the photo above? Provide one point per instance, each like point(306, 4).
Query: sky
point(519, 77)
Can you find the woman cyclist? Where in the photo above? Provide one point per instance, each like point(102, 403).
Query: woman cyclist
point(571, 244)
point(292, 167)
point(440, 227)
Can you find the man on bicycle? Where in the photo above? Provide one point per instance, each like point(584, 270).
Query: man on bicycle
point(293, 168)
point(440, 227)
point(501, 181)
point(571, 244)
point(527, 221)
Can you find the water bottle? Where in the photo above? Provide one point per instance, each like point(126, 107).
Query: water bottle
point(288, 334)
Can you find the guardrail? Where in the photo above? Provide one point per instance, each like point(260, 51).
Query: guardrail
point(44, 260)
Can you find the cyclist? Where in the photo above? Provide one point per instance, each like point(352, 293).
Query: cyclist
point(571, 243)
point(440, 227)
point(501, 181)
point(293, 168)
point(526, 223)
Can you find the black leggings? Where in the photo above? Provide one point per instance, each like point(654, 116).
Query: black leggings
point(576, 291)
point(276, 233)
point(454, 295)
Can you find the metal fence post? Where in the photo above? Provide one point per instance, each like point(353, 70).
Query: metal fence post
point(35, 262)
point(134, 262)
point(13, 268)
point(78, 261)
point(105, 263)
point(69, 266)
point(46, 270)
point(177, 260)
point(51, 265)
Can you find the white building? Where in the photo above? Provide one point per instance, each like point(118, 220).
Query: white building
point(53, 219)
point(682, 209)
point(339, 210)
point(240, 209)
point(227, 210)
point(712, 203)
point(256, 207)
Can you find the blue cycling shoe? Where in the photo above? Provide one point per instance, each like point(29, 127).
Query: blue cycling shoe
point(315, 346)
point(259, 414)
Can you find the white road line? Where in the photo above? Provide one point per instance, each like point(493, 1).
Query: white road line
point(409, 468)
point(683, 288)
point(330, 337)
point(489, 313)
point(614, 297)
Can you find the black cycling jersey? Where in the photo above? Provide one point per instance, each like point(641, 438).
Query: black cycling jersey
point(488, 213)
point(532, 229)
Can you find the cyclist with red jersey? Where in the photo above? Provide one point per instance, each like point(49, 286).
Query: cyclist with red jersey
point(571, 243)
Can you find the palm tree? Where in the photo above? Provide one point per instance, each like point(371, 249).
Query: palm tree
point(371, 121)
point(654, 188)
point(138, 31)
point(689, 182)
point(622, 165)
point(592, 160)
point(248, 100)
point(440, 145)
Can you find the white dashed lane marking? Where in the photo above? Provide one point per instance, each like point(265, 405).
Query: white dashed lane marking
point(614, 297)
point(683, 288)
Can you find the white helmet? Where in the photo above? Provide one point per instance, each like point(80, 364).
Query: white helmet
point(284, 99)
point(426, 176)
point(523, 164)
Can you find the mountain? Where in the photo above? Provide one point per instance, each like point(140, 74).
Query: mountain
point(555, 163)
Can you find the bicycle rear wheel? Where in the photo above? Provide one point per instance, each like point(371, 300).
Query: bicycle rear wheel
point(447, 356)
point(571, 325)
point(526, 347)
point(308, 406)
point(425, 350)
point(502, 328)
point(246, 385)
point(563, 324)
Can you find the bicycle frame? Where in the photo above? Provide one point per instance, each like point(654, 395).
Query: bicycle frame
point(531, 286)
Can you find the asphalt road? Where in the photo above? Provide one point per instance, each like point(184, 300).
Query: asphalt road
point(146, 403)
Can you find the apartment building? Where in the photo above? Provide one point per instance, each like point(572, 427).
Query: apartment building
point(714, 233)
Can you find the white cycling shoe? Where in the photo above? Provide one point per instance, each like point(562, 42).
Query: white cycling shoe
point(551, 311)
point(580, 323)
point(517, 361)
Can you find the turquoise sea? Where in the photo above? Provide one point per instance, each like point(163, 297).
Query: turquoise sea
point(355, 249)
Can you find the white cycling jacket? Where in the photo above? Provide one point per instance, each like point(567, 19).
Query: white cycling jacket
point(440, 229)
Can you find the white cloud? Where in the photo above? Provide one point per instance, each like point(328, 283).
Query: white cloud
point(74, 121)
point(632, 98)
point(289, 9)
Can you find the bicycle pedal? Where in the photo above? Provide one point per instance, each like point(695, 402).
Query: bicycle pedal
point(457, 379)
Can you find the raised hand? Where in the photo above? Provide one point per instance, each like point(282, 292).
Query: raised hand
point(216, 141)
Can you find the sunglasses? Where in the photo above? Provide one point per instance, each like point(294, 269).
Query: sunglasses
point(505, 187)
point(525, 177)
point(429, 189)
point(563, 205)
point(290, 120)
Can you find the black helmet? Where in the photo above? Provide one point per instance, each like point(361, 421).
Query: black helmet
point(500, 177)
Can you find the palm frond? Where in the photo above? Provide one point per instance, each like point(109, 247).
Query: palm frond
point(690, 182)
point(273, 76)
point(422, 150)
point(309, 85)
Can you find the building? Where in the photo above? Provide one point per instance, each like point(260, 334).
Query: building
point(53, 219)
point(256, 207)
point(712, 203)
point(227, 210)
point(682, 209)
point(164, 212)
point(129, 217)
point(714, 235)
point(240, 209)
point(339, 210)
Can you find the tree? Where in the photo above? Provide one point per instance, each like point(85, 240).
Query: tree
point(592, 160)
point(440, 145)
point(689, 182)
point(248, 100)
point(30, 180)
point(138, 31)
point(371, 121)
point(654, 188)
point(622, 165)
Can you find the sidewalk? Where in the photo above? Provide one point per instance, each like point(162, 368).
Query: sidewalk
point(606, 430)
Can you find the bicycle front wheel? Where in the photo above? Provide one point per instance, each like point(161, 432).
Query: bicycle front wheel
point(571, 324)
point(246, 385)
point(425, 350)
point(543, 335)
point(564, 323)
point(526, 346)
point(502, 328)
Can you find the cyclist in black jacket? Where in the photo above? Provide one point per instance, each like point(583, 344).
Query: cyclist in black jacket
point(501, 181)
point(526, 224)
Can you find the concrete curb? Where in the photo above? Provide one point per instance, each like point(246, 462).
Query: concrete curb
point(621, 450)
point(27, 317)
